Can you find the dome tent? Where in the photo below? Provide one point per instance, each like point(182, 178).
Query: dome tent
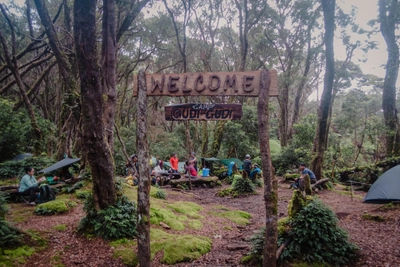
point(386, 188)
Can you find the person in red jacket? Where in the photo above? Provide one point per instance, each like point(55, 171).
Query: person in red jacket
point(174, 163)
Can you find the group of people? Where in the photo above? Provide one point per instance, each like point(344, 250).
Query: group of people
point(251, 169)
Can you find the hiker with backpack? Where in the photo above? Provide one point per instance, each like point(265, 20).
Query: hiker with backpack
point(29, 186)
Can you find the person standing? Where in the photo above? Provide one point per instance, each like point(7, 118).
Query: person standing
point(247, 165)
point(29, 186)
point(173, 161)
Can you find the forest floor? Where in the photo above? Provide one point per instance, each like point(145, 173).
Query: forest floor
point(378, 242)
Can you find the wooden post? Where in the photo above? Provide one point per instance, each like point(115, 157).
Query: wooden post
point(270, 196)
point(143, 225)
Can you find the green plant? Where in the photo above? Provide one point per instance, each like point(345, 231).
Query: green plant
point(115, 222)
point(73, 188)
point(317, 237)
point(51, 207)
point(12, 168)
point(161, 194)
point(258, 182)
point(243, 186)
point(9, 236)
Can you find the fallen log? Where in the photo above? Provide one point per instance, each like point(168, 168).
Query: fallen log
point(322, 181)
point(210, 180)
point(282, 247)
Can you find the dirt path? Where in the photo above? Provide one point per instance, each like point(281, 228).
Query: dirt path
point(378, 241)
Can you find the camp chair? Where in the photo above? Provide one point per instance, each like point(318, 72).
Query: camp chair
point(23, 198)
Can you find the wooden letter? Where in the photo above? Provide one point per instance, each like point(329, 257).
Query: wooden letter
point(247, 82)
point(210, 86)
point(230, 82)
point(156, 84)
point(198, 80)
point(172, 84)
point(184, 89)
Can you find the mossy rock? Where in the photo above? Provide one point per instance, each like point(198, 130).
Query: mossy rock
point(54, 207)
point(297, 202)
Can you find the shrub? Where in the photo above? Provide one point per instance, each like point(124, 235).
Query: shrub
point(161, 194)
point(115, 222)
point(54, 207)
point(9, 236)
point(243, 186)
point(324, 242)
point(12, 168)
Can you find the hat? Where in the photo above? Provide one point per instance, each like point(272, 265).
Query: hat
point(303, 164)
point(255, 165)
point(133, 156)
point(247, 156)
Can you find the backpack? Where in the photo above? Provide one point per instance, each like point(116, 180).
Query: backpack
point(46, 194)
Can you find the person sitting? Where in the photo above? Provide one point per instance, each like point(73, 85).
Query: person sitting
point(29, 186)
point(253, 173)
point(193, 159)
point(304, 171)
point(132, 166)
point(191, 170)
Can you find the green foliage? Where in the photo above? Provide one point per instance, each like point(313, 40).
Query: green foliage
point(54, 207)
point(257, 241)
point(258, 182)
point(115, 222)
point(10, 169)
point(376, 218)
point(71, 189)
point(243, 186)
point(8, 235)
point(160, 193)
point(178, 248)
point(317, 237)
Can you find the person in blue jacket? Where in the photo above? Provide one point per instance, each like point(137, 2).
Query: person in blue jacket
point(254, 171)
point(29, 186)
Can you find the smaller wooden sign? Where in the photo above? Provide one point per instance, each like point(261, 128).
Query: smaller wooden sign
point(205, 112)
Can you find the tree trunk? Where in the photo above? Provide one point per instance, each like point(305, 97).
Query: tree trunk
point(270, 193)
point(328, 7)
point(68, 83)
point(217, 139)
point(109, 50)
point(143, 225)
point(94, 144)
point(388, 21)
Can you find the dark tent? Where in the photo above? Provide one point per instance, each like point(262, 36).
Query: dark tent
point(22, 156)
point(60, 164)
point(386, 188)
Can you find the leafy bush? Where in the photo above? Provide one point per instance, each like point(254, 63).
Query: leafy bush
point(243, 186)
point(115, 222)
point(324, 242)
point(161, 194)
point(10, 169)
point(9, 236)
point(74, 187)
point(51, 207)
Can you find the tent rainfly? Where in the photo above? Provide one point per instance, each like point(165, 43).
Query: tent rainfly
point(60, 164)
point(386, 188)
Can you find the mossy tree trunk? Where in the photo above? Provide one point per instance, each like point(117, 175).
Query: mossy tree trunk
point(270, 196)
point(143, 225)
point(94, 142)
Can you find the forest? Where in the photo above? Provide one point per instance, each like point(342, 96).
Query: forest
point(68, 69)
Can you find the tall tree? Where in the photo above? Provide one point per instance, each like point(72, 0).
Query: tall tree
point(328, 7)
point(94, 142)
point(388, 19)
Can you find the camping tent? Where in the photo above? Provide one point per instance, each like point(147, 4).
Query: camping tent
point(386, 188)
point(60, 164)
point(238, 162)
point(22, 156)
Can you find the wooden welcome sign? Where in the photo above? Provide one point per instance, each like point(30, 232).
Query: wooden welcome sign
point(206, 112)
point(207, 84)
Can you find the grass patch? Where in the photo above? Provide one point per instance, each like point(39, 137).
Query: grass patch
point(124, 250)
point(188, 208)
point(158, 215)
point(20, 213)
point(376, 218)
point(347, 193)
point(237, 216)
point(15, 257)
point(178, 248)
point(60, 227)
